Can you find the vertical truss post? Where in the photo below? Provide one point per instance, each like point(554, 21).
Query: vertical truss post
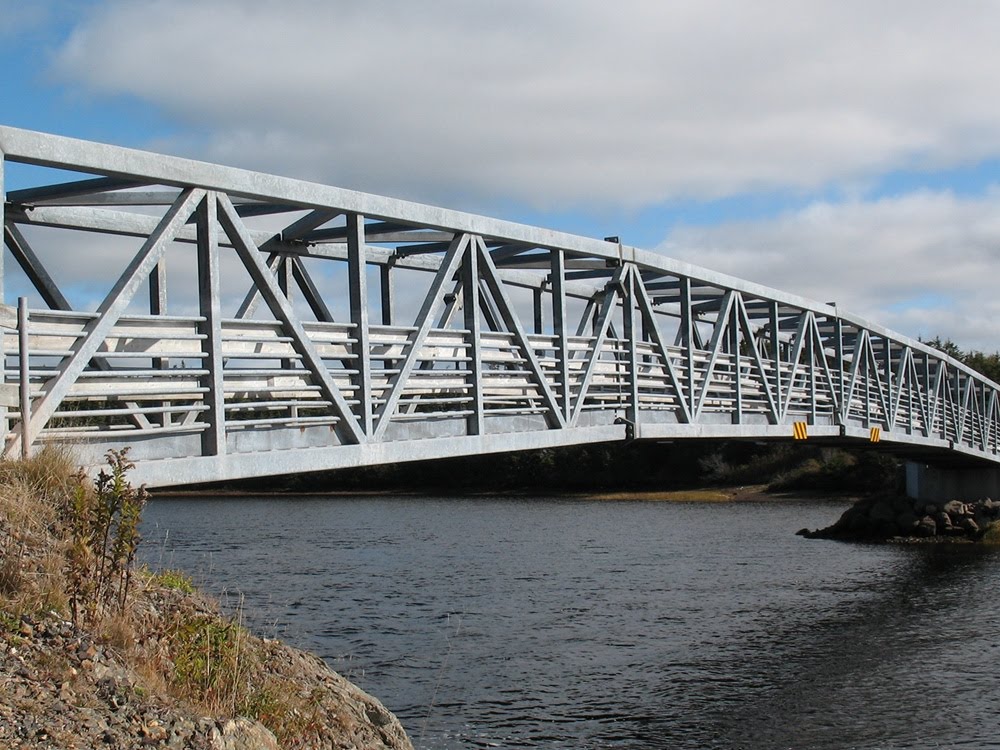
point(158, 289)
point(631, 331)
point(734, 345)
point(25, 386)
point(536, 299)
point(687, 337)
point(285, 275)
point(958, 404)
point(887, 359)
point(158, 306)
point(776, 356)
point(838, 356)
point(357, 270)
point(559, 328)
point(386, 289)
point(908, 373)
point(811, 354)
point(867, 378)
point(213, 439)
point(473, 327)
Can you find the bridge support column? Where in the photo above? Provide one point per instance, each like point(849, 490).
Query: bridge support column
point(935, 483)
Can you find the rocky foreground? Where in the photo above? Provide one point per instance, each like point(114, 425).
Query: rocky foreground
point(899, 518)
point(66, 687)
point(96, 653)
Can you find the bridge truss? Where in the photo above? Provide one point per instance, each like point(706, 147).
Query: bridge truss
point(309, 327)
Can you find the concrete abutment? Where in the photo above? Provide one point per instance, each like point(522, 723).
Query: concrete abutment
point(936, 483)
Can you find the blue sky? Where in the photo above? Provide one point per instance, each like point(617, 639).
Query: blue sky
point(835, 150)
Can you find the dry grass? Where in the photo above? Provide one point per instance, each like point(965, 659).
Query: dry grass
point(714, 495)
point(32, 552)
point(172, 639)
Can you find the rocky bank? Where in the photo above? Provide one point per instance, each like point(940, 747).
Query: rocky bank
point(67, 687)
point(889, 518)
point(95, 653)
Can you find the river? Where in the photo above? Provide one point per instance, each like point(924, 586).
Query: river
point(564, 623)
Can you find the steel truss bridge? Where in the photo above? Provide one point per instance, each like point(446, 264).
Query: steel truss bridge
point(309, 327)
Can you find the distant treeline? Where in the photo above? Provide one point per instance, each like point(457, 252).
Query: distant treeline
point(987, 364)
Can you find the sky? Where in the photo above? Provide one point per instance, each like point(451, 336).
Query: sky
point(845, 151)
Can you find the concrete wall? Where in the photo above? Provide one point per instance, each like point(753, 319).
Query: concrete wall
point(933, 483)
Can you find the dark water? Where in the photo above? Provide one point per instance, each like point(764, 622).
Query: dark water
point(571, 624)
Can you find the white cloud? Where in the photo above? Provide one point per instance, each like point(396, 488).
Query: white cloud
point(923, 264)
point(17, 17)
point(558, 104)
point(582, 105)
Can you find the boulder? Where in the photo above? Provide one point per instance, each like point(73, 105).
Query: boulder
point(969, 526)
point(243, 734)
point(955, 508)
point(943, 521)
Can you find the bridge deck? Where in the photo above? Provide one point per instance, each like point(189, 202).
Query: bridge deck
point(309, 327)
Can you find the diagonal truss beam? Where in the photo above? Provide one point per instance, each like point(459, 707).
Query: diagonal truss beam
point(649, 318)
point(492, 279)
point(751, 339)
point(34, 269)
point(347, 426)
point(715, 346)
point(108, 313)
point(432, 302)
point(612, 291)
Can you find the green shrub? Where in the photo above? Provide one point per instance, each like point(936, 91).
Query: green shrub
point(175, 579)
point(103, 524)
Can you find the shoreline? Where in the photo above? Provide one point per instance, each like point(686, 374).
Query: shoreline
point(701, 493)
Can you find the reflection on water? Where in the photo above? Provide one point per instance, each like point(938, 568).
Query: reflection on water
point(568, 624)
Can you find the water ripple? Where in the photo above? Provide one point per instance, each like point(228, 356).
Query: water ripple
point(552, 623)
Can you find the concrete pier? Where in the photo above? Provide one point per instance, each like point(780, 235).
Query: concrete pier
point(934, 483)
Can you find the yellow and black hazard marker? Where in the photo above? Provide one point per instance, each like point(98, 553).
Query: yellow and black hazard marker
point(799, 431)
point(876, 434)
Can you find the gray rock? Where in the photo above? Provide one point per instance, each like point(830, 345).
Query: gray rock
point(955, 508)
point(969, 525)
point(243, 734)
point(926, 527)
